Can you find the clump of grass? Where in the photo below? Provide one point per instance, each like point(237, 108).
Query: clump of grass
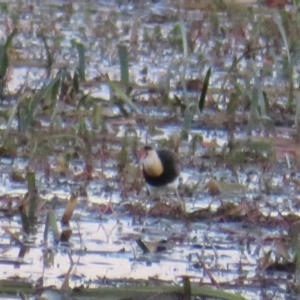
point(175, 36)
point(157, 33)
point(245, 152)
point(195, 140)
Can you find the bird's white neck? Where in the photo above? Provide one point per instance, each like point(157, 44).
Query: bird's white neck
point(152, 164)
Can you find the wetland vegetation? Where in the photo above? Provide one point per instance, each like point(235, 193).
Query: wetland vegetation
point(83, 85)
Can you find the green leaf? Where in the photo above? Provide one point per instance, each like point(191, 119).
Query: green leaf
point(121, 95)
point(204, 90)
point(30, 109)
point(97, 116)
point(232, 104)
point(81, 53)
point(53, 225)
point(184, 39)
point(3, 62)
point(214, 293)
point(54, 91)
point(4, 8)
point(13, 112)
point(124, 69)
point(48, 52)
point(142, 245)
point(278, 21)
point(267, 104)
point(10, 38)
point(76, 81)
point(33, 197)
point(187, 287)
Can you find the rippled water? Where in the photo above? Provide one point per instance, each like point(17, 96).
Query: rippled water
point(103, 248)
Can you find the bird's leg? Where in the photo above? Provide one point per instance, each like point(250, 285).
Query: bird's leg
point(108, 208)
point(148, 191)
point(181, 200)
point(153, 195)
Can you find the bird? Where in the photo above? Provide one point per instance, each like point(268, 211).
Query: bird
point(161, 169)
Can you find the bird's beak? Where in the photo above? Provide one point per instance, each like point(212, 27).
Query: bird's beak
point(142, 154)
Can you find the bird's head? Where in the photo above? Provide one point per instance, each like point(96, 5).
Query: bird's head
point(150, 160)
point(145, 152)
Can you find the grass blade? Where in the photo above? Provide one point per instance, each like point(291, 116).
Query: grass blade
point(53, 226)
point(50, 91)
point(48, 52)
point(121, 95)
point(297, 115)
point(187, 121)
point(187, 293)
point(124, 69)
point(33, 197)
point(4, 59)
point(23, 208)
point(10, 38)
point(97, 116)
point(13, 112)
point(185, 59)
point(278, 21)
point(184, 40)
point(3, 62)
point(81, 54)
point(204, 90)
point(69, 209)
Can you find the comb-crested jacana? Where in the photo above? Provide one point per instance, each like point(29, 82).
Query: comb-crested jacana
point(161, 169)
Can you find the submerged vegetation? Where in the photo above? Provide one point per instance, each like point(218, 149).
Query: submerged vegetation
point(84, 85)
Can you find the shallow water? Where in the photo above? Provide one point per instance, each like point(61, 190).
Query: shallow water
point(103, 248)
